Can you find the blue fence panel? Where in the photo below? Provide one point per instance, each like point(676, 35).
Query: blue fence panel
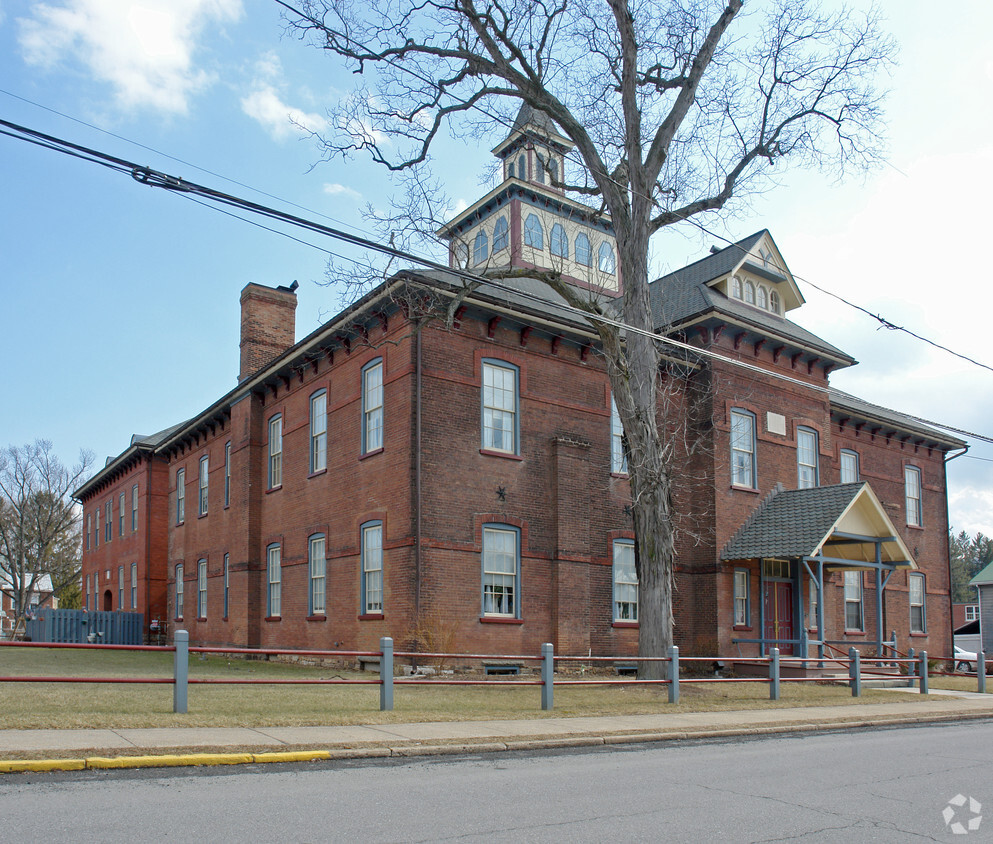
point(79, 626)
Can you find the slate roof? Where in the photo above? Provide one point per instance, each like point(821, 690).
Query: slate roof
point(984, 577)
point(791, 523)
point(684, 294)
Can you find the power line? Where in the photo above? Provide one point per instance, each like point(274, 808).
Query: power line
point(154, 178)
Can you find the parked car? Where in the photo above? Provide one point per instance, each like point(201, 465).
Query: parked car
point(964, 660)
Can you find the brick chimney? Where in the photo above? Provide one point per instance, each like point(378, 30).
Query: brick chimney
point(268, 325)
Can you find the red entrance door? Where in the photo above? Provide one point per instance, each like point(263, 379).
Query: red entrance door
point(778, 605)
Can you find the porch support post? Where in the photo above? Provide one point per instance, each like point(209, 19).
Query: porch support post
point(879, 600)
point(761, 608)
point(799, 615)
point(820, 610)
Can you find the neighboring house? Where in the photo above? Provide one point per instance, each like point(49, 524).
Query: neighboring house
point(963, 614)
point(984, 585)
point(43, 595)
point(383, 474)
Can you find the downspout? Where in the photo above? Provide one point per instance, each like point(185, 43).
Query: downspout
point(948, 552)
point(417, 476)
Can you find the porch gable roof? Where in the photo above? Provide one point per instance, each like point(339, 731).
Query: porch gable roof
point(842, 522)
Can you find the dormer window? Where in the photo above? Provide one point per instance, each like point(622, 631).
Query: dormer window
point(736, 287)
point(749, 293)
point(763, 298)
point(774, 302)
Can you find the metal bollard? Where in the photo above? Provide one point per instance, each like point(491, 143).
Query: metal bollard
point(855, 672)
point(547, 676)
point(923, 672)
point(674, 674)
point(774, 674)
point(386, 674)
point(181, 671)
point(911, 667)
point(981, 672)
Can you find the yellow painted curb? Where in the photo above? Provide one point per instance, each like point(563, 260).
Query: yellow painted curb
point(291, 756)
point(22, 765)
point(169, 760)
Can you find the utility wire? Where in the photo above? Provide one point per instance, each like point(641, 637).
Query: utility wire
point(154, 178)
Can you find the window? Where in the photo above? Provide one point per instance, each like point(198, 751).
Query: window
point(89, 529)
point(227, 582)
point(120, 587)
point(227, 474)
point(204, 479)
point(134, 508)
point(120, 515)
point(743, 449)
point(510, 170)
point(501, 571)
point(534, 234)
point(318, 432)
point(553, 170)
point(318, 572)
point(912, 491)
point(108, 527)
point(274, 575)
point(749, 293)
point(849, 466)
point(735, 287)
point(618, 459)
point(180, 496)
point(372, 568)
point(774, 302)
point(918, 617)
point(605, 259)
point(539, 168)
point(96, 533)
point(853, 600)
point(522, 167)
point(499, 407)
point(812, 603)
point(971, 612)
point(134, 586)
point(275, 452)
point(202, 589)
point(179, 592)
point(582, 249)
point(558, 242)
point(806, 458)
point(762, 299)
point(625, 582)
point(742, 599)
point(480, 248)
point(500, 238)
point(86, 596)
point(372, 406)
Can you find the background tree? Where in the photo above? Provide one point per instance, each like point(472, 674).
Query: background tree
point(969, 555)
point(675, 107)
point(39, 522)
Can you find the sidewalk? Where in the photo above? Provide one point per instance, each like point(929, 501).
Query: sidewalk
point(219, 745)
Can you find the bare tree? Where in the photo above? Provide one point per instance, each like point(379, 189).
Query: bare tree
point(39, 522)
point(675, 108)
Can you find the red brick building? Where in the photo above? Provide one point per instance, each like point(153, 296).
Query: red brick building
point(399, 474)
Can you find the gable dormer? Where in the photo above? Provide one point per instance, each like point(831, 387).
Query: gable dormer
point(760, 278)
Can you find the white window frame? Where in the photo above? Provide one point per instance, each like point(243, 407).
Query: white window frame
point(625, 582)
point(276, 451)
point(203, 485)
point(134, 586)
point(917, 594)
point(807, 458)
point(854, 597)
point(319, 432)
point(89, 529)
point(913, 496)
point(849, 466)
point(108, 532)
point(227, 473)
point(180, 588)
point(618, 459)
point(534, 232)
point(120, 587)
point(180, 496)
point(372, 568)
point(501, 596)
point(227, 582)
point(774, 302)
point(500, 397)
point(373, 406)
point(971, 612)
point(606, 261)
point(134, 508)
point(201, 589)
point(274, 581)
point(501, 235)
point(480, 247)
point(812, 595)
point(742, 598)
point(317, 566)
point(121, 510)
point(743, 449)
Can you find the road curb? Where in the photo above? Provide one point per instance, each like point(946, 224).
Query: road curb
point(466, 746)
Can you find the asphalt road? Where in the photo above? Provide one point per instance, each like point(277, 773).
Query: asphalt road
point(879, 785)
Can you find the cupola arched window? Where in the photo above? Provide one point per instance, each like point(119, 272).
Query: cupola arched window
point(480, 248)
point(762, 298)
point(522, 167)
point(558, 241)
point(749, 293)
point(605, 257)
point(500, 235)
point(582, 249)
point(534, 234)
point(553, 170)
point(774, 302)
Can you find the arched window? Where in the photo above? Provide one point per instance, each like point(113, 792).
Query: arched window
point(534, 234)
point(522, 168)
point(510, 169)
point(553, 170)
point(774, 302)
point(736, 287)
point(480, 248)
point(558, 242)
point(762, 298)
point(582, 249)
point(749, 293)
point(605, 259)
point(540, 163)
point(500, 235)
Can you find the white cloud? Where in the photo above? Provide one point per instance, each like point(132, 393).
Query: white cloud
point(333, 189)
point(143, 50)
point(282, 121)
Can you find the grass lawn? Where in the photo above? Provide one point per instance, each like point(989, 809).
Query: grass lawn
point(81, 705)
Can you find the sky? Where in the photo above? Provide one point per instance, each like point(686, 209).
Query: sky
point(120, 302)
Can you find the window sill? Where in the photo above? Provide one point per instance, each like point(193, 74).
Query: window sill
point(272, 618)
point(202, 516)
point(506, 455)
point(915, 527)
point(177, 618)
point(624, 475)
point(918, 635)
point(317, 474)
point(751, 489)
point(201, 618)
point(495, 619)
point(320, 617)
point(224, 618)
point(274, 489)
point(854, 632)
point(628, 625)
point(372, 453)
point(742, 628)
point(371, 616)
